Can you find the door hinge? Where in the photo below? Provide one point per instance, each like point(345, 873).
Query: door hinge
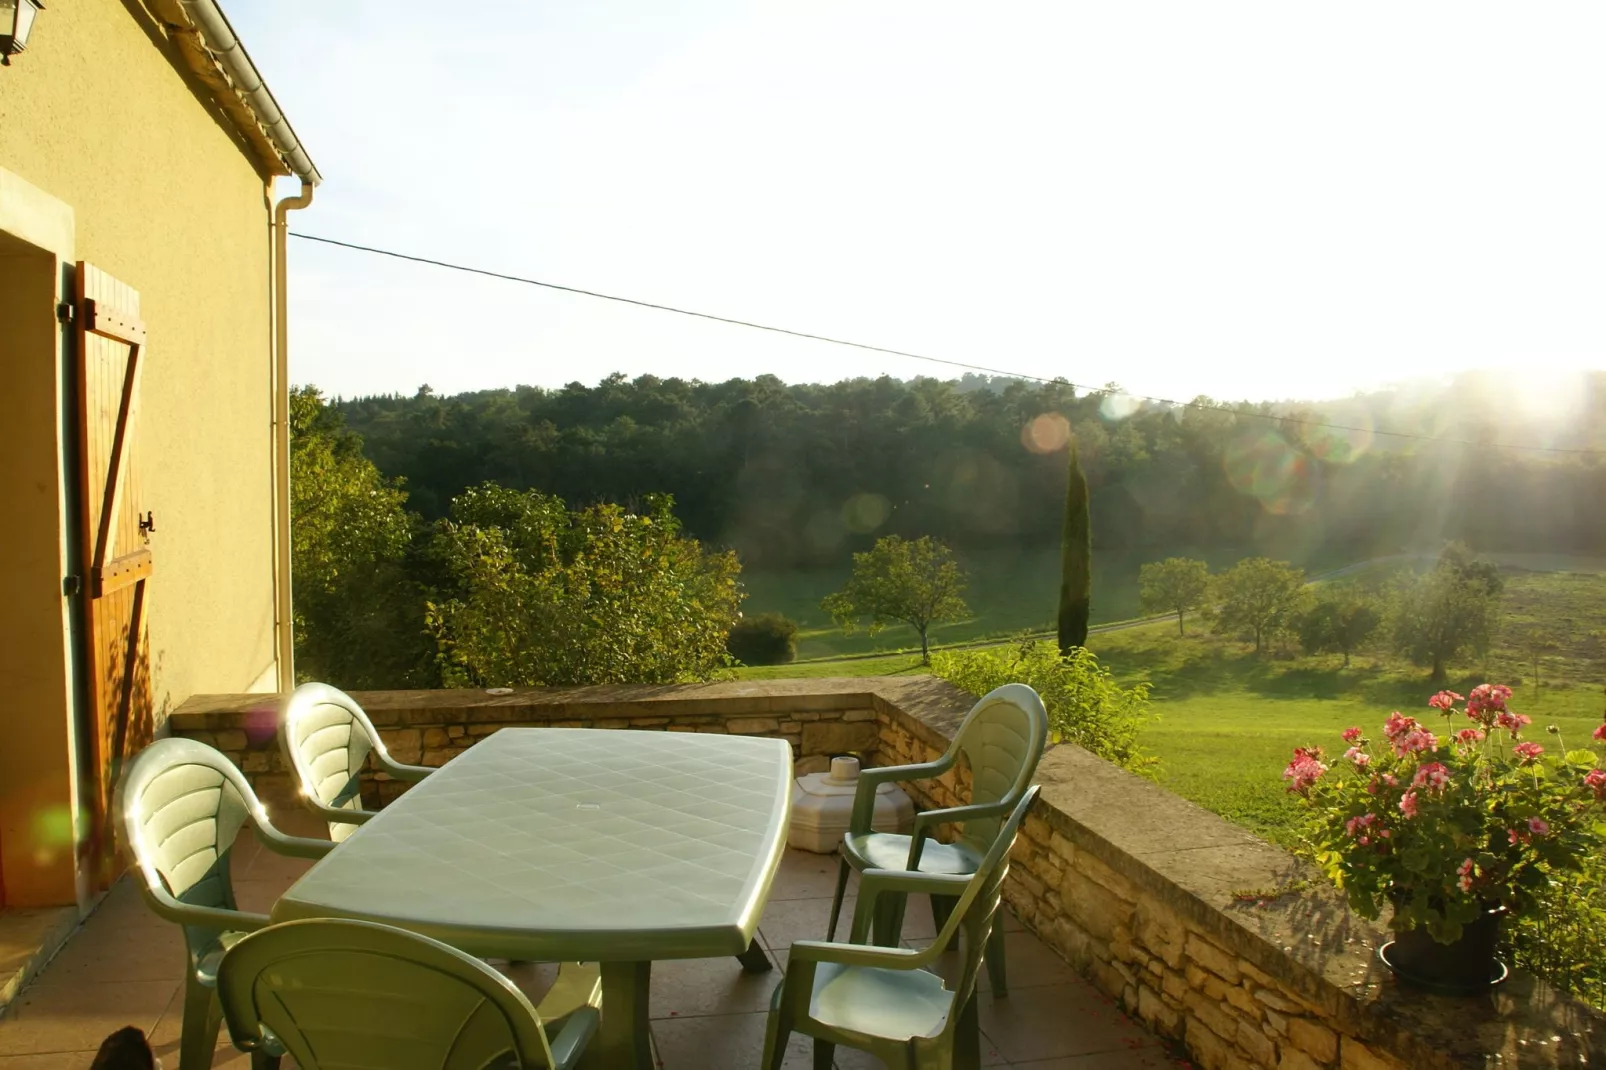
point(72, 586)
point(66, 312)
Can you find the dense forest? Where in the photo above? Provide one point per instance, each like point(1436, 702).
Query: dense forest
point(803, 474)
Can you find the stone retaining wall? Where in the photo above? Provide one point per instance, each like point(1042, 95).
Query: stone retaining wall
point(1181, 917)
point(819, 719)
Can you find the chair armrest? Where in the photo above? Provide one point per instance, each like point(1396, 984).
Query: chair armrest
point(956, 815)
point(294, 846)
point(335, 813)
point(814, 951)
point(570, 1043)
point(871, 779)
point(873, 882)
point(410, 773)
point(161, 901)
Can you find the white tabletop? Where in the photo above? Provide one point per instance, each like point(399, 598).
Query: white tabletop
point(554, 844)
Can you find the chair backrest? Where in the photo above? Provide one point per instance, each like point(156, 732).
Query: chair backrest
point(978, 904)
point(1002, 740)
point(181, 805)
point(326, 738)
point(355, 995)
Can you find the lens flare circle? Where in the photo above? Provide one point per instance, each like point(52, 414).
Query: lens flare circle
point(1047, 433)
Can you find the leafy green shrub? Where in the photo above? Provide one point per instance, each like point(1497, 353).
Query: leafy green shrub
point(537, 594)
point(1085, 705)
point(767, 639)
point(1563, 939)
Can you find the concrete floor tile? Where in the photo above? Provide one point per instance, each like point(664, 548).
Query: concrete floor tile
point(1056, 1021)
point(717, 1042)
point(788, 920)
point(56, 1060)
point(74, 1016)
point(1137, 1059)
point(805, 875)
point(104, 950)
point(688, 988)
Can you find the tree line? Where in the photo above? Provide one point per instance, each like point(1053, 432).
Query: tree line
point(1432, 618)
point(799, 474)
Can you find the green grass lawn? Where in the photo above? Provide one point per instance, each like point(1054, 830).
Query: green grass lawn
point(1227, 719)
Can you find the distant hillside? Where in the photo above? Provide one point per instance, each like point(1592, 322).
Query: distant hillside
point(802, 474)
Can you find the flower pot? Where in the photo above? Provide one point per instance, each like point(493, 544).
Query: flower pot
point(1463, 968)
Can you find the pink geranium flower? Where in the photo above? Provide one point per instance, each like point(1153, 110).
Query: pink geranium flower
point(1304, 770)
point(1435, 775)
point(1528, 752)
point(1464, 873)
point(1359, 757)
point(1414, 742)
point(1600, 733)
point(1408, 804)
point(1538, 827)
point(1513, 722)
point(1595, 780)
point(1398, 725)
point(1352, 735)
point(1445, 700)
point(1356, 828)
point(1469, 736)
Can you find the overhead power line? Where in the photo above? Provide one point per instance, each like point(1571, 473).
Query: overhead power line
point(1246, 413)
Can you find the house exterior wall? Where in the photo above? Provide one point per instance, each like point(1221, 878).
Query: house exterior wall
point(97, 114)
point(110, 152)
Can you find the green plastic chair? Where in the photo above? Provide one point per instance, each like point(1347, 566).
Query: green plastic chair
point(182, 804)
point(882, 1000)
point(1002, 739)
point(327, 738)
point(353, 995)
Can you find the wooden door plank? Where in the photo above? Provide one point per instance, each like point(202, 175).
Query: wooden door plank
point(115, 652)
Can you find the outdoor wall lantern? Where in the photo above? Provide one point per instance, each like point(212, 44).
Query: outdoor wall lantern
point(16, 21)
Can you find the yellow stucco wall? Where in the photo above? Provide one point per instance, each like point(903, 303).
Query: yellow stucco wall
point(166, 198)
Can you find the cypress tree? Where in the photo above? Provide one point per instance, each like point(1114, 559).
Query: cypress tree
point(1076, 560)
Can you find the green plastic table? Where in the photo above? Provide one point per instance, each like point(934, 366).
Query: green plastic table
point(571, 844)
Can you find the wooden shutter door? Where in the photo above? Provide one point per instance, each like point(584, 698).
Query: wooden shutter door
point(114, 538)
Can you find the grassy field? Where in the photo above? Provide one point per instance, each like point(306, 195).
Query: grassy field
point(1010, 591)
point(1227, 719)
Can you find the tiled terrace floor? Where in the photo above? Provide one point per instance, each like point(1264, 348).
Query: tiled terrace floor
point(126, 966)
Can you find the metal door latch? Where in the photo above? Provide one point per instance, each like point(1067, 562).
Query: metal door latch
point(147, 525)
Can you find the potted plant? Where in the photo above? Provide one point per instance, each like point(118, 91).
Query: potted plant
point(1452, 828)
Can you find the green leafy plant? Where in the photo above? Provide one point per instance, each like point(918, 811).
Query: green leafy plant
point(1337, 626)
point(1085, 704)
point(1447, 612)
point(906, 581)
point(767, 639)
point(541, 595)
point(1259, 598)
point(1175, 585)
point(1443, 828)
point(358, 617)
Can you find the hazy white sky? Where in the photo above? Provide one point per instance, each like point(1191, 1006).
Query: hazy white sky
point(1243, 199)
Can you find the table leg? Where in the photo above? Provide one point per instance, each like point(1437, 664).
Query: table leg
point(754, 960)
point(624, 1038)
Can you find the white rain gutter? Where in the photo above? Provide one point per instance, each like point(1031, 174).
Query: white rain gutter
point(231, 56)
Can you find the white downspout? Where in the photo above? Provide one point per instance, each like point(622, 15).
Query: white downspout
point(284, 628)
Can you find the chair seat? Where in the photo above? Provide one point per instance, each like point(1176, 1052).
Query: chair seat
point(892, 1004)
point(887, 850)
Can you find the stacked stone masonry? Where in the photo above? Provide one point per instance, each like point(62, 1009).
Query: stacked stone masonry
point(1182, 918)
